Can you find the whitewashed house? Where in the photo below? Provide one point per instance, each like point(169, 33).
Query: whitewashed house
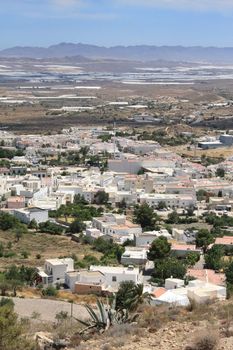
point(54, 271)
point(26, 215)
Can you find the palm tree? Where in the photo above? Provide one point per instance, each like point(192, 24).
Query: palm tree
point(130, 295)
point(137, 297)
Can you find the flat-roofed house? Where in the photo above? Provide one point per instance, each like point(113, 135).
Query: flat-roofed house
point(145, 239)
point(54, 270)
point(115, 275)
point(26, 215)
point(134, 256)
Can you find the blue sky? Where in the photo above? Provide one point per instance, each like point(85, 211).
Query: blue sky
point(116, 22)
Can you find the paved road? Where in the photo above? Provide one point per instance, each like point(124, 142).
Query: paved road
point(47, 308)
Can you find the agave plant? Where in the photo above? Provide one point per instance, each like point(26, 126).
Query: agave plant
point(105, 316)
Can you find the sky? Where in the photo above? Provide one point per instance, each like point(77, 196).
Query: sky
point(116, 22)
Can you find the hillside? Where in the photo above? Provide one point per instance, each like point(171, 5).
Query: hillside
point(207, 327)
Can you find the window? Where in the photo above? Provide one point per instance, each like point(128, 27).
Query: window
point(114, 279)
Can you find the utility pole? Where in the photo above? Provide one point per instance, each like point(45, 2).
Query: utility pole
point(114, 137)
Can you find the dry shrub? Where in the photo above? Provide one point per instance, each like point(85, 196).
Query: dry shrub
point(155, 317)
point(83, 347)
point(119, 343)
point(205, 340)
point(75, 340)
point(200, 312)
point(106, 347)
point(120, 330)
point(120, 334)
point(65, 328)
point(224, 311)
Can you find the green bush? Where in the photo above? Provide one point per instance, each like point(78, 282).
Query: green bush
point(50, 291)
point(51, 228)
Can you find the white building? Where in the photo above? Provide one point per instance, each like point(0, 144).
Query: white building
point(26, 215)
point(134, 256)
point(115, 225)
point(171, 200)
point(145, 239)
point(54, 270)
point(115, 275)
point(197, 291)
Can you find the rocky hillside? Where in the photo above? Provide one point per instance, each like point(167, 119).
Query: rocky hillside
point(209, 327)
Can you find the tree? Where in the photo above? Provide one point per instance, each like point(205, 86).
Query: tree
point(20, 230)
point(122, 204)
point(101, 198)
point(130, 295)
point(192, 258)
point(136, 297)
point(4, 285)
point(18, 234)
point(190, 210)
point(160, 249)
point(6, 301)
point(213, 258)
point(50, 227)
point(7, 221)
point(15, 285)
point(141, 171)
point(201, 195)
point(144, 216)
point(33, 225)
point(229, 273)
point(161, 205)
point(11, 334)
point(173, 218)
point(220, 172)
point(79, 199)
point(112, 251)
point(77, 227)
point(22, 274)
point(204, 238)
point(169, 267)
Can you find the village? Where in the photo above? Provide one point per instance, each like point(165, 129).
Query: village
point(159, 220)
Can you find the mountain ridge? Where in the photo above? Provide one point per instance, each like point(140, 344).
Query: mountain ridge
point(131, 52)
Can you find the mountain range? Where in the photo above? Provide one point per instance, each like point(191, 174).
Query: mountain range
point(139, 52)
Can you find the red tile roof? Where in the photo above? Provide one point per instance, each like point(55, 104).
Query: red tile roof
point(207, 275)
point(226, 240)
point(158, 292)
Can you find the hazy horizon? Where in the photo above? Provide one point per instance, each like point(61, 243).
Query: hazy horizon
point(120, 45)
point(117, 22)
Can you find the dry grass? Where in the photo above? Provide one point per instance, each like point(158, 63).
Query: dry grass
point(68, 296)
point(154, 318)
point(33, 293)
point(224, 152)
point(48, 246)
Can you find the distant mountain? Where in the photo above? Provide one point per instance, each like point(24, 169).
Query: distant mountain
point(140, 52)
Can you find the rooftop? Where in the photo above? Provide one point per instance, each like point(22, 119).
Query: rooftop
point(207, 275)
point(226, 240)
